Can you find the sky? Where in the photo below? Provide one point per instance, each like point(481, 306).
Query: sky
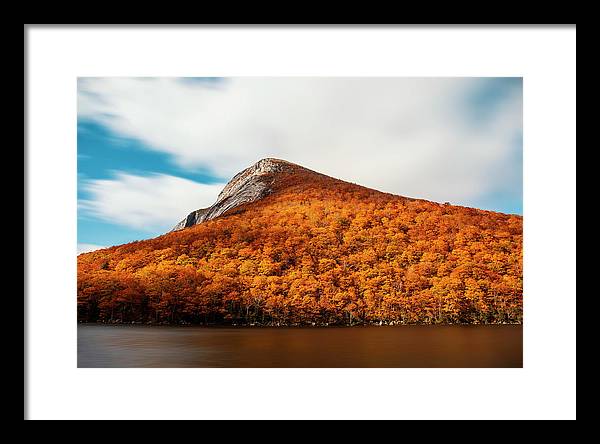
point(151, 150)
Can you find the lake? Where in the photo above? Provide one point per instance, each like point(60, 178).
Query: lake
point(372, 346)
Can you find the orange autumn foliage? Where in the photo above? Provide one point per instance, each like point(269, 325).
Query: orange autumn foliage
point(317, 250)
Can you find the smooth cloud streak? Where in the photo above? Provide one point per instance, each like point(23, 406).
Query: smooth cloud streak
point(413, 137)
point(86, 248)
point(148, 203)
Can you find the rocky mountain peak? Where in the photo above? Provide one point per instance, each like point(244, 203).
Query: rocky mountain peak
point(250, 174)
point(249, 185)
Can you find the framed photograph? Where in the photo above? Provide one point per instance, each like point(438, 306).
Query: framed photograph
point(263, 204)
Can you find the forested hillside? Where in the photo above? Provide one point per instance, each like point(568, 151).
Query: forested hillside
point(315, 250)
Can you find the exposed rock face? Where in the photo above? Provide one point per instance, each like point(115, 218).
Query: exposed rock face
point(249, 185)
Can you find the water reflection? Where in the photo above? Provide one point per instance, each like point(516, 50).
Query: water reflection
point(404, 346)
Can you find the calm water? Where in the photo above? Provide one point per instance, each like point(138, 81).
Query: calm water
point(402, 346)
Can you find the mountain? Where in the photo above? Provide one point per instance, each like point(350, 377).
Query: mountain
point(249, 185)
point(284, 245)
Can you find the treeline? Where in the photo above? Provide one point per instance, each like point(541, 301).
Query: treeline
point(319, 251)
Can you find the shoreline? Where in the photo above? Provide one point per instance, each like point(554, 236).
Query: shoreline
point(303, 326)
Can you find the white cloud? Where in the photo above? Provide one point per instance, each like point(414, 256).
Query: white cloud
point(86, 248)
point(406, 136)
point(151, 203)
